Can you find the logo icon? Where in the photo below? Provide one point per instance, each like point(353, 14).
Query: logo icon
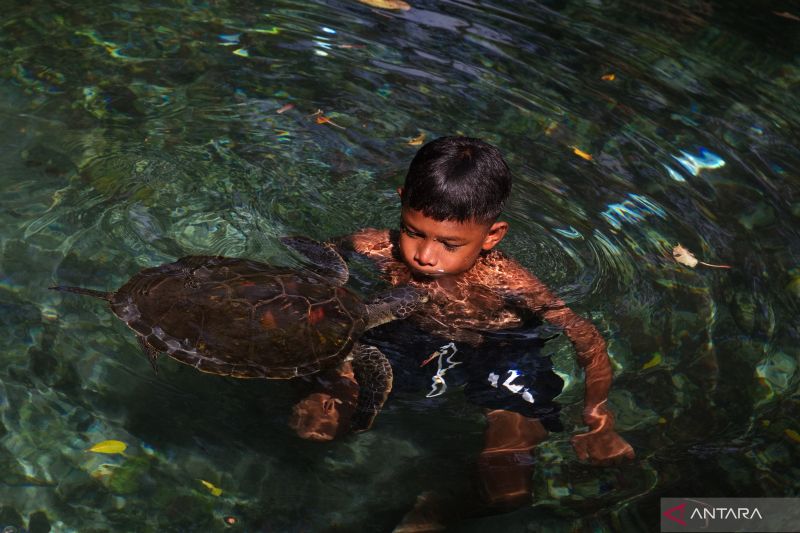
point(680, 510)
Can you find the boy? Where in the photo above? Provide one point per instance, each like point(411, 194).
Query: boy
point(453, 194)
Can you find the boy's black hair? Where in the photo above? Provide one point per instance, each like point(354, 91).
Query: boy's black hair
point(457, 178)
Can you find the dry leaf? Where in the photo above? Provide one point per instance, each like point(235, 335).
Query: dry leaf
point(580, 153)
point(685, 257)
point(416, 141)
point(109, 447)
point(285, 108)
point(387, 4)
point(608, 77)
point(215, 491)
point(322, 119)
point(786, 15)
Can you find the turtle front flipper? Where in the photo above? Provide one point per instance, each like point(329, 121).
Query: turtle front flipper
point(324, 259)
point(374, 376)
point(394, 304)
point(150, 352)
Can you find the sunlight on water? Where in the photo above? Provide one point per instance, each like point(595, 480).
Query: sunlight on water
point(137, 134)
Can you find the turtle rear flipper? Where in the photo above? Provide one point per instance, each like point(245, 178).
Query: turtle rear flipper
point(374, 376)
point(150, 352)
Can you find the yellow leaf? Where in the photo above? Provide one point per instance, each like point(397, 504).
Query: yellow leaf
point(684, 256)
point(792, 434)
point(109, 447)
point(416, 141)
point(655, 361)
point(215, 491)
point(580, 153)
point(387, 4)
point(608, 77)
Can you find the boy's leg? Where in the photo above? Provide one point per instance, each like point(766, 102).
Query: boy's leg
point(505, 470)
point(505, 466)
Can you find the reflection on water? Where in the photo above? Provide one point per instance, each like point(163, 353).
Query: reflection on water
point(135, 134)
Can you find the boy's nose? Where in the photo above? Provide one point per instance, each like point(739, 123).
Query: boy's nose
point(425, 255)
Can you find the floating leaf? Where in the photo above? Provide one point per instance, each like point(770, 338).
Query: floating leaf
point(786, 15)
point(285, 108)
point(608, 77)
point(322, 119)
point(416, 141)
point(215, 491)
point(685, 257)
point(109, 447)
point(655, 361)
point(387, 4)
point(580, 153)
point(792, 434)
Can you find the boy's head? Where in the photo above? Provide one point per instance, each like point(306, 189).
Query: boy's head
point(454, 191)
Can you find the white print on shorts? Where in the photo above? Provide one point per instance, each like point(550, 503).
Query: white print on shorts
point(494, 379)
point(443, 354)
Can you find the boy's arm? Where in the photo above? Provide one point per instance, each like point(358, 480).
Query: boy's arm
point(601, 443)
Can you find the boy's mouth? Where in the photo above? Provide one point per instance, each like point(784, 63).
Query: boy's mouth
point(427, 274)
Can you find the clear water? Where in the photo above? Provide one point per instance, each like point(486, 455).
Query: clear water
point(134, 133)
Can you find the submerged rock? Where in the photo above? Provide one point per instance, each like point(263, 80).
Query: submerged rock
point(39, 523)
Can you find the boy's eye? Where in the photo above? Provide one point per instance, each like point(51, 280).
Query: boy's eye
point(451, 247)
point(408, 232)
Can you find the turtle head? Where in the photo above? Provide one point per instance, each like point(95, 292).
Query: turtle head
point(396, 304)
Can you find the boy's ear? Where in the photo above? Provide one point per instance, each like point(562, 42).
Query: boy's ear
point(400, 192)
point(495, 235)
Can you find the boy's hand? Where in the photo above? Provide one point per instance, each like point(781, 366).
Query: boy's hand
point(318, 417)
point(602, 447)
point(323, 416)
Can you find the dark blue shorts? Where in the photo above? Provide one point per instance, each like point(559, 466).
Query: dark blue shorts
point(506, 371)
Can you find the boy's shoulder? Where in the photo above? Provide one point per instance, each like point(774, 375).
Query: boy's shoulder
point(371, 240)
point(493, 268)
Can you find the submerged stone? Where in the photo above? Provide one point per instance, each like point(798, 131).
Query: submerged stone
point(39, 523)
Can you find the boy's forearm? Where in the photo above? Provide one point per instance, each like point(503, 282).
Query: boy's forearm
point(590, 348)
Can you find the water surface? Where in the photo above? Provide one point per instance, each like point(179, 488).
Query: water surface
point(136, 133)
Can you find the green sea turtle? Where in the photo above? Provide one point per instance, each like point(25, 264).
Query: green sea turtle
point(246, 319)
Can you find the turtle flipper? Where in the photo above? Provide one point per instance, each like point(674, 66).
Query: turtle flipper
point(394, 304)
point(324, 259)
point(374, 376)
point(149, 352)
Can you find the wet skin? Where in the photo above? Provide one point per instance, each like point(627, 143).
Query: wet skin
point(470, 287)
point(432, 248)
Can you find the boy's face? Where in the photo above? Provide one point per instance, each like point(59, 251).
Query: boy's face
point(433, 248)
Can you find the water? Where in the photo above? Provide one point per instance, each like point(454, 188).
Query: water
point(136, 133)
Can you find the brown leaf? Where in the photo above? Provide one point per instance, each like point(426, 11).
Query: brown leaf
point(416, 141)
point(786, 15)
point(387, 4)
point(684, 256)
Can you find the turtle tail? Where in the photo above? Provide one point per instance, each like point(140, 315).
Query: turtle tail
point(87, 292)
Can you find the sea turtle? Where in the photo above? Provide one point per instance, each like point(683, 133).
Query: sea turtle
point(246, 319)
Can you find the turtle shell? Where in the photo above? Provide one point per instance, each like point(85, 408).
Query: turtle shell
point(242, 318)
